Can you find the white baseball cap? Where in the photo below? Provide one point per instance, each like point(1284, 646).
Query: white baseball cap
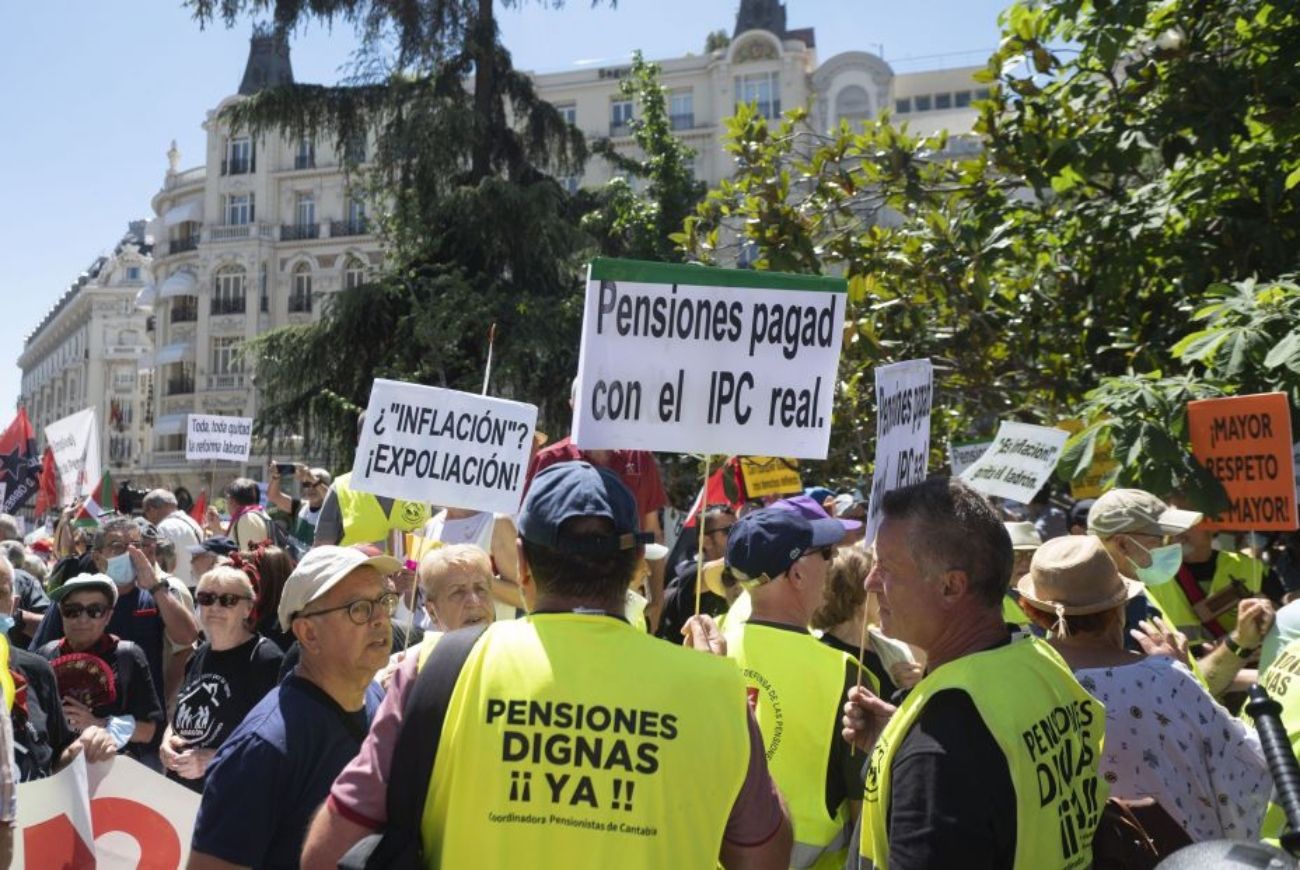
point(320, 571)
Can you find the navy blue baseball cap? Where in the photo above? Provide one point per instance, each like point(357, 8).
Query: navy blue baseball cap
point(767, 542)
point(568, 490)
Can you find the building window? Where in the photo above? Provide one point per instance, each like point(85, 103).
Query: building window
point(354, 273)
point(355, 149)
point(569, 112)
point(922, 103)
point(300, 294)
point(179, 379)
point(171, 443)
point(306, 209)
point(228, 291)
point(239, 156)
point(239, 209)
point(133, 273)
point(356, 211)
point(982, 94)
point(263, 289)
point(620, 117)
point(943, 101)
point(681, 110)
point(184, 309)
point(761, 89)
point(305, 158)
point(902, 106)
point(852, 105)
point(962, 99)
point(226, 358)
point(570, 183)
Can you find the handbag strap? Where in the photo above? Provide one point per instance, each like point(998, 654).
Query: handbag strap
point(422, 718)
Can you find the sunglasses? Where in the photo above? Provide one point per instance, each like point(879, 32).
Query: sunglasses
point(225, 599)
point(362, 610)
point(75, 611)
point(827, 553)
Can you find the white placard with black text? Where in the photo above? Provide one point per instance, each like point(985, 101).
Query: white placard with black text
point(209, 437)
point(903, 396)
point(1018, 462)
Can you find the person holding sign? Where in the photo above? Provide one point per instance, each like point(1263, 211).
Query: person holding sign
point(964, 773)
point(795, 683)
point(573, 739)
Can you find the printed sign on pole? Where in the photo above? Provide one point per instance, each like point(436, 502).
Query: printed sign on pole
point(962, 455)
point(903, 394)
point(688, 359)
point(209, 437)
point(444, 447)
point(770, 475)
point(74, 441)
point(1018, 463)
point(1245, 442)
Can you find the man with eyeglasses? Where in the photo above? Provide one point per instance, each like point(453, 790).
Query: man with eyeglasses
point(679, 595)
point(795, 683)
point(313, 483)
point(277, 766)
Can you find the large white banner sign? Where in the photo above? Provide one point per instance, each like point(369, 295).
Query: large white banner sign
point(444, 447)
point(210, 437)
point(75, 443)
point(688, 359)
point(1018, 462)
point(903, 397)
point(114, 815)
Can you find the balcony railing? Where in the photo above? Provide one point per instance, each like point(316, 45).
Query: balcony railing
point(179, 386)
point(228, 305)
point(358, 227)
point(180, 246)
point(226, 381)
point(299, 232)
point(238, 166)
point(620, 128)
point(304, 161)
point(300, 302)
point(228, 233)
point(185, 312)
point(683, 121)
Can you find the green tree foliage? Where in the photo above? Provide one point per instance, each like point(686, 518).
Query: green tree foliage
point(1108, 186)
point(626, 223)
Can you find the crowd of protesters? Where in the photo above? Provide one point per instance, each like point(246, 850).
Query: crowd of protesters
point(838, 703)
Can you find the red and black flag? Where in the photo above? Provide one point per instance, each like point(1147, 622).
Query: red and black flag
point(19, 462)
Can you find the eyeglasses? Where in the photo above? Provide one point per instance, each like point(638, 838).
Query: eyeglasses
point(75, 611)
point(117, 548)
point(225, 599)
point(725, 531)
point(827, 553)
point(362, 610)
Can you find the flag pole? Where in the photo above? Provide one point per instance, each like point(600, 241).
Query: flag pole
point(699, 534)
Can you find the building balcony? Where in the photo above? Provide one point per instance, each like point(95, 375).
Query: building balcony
point(180, 246)
point(358, 227)
point(227, 305)
point(238, 166)
point(184, 312)
point(238, 232)
point(226, 381)
point(300, 302)
point(682, 122)
point(299, 232)
point(617, 129)
point(178, 387)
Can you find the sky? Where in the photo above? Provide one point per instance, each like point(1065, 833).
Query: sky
point(96, 90)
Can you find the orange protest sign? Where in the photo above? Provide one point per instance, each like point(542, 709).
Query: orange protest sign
point(1245, 442)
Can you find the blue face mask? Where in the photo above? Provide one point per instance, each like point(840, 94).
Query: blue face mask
point(6, 623)
point(121, 570)
point(1165, 562)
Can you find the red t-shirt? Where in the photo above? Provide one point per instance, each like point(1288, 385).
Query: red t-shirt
point(636, 468)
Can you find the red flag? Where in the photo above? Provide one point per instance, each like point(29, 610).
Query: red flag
point(726, 486)
point(18, 462)
point(200, 508)
point(47, 491)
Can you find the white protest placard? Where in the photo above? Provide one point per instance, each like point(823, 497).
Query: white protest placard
point(1019, 461)
point(210, 437)
point(903, 396)
point(962, 456)
point(74, 440)
point(444, 447)
point(113, 815)
point(689, 359)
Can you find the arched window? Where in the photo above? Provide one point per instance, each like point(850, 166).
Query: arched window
point(228, 291)
point(354, 273)
point(853, 105)
point(300, 294)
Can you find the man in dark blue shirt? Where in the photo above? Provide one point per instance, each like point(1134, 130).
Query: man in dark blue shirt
point(277, 767)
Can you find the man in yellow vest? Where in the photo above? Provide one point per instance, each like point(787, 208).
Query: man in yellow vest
point(349, 517)
point(796, 684)
point(991, 760)
point(572, 739)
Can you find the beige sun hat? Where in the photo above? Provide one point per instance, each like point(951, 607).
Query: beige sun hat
point(1073, 575)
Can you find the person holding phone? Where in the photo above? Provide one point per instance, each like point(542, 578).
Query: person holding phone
point(227, 675)
point(313, 483)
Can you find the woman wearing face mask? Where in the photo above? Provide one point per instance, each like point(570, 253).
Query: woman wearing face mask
point(1166, 737)
point(225, 678)
point(103, 680)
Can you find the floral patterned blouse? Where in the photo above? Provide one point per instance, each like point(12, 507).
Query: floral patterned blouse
point(1167, 739)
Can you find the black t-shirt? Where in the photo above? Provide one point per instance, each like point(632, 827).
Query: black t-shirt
point(870, 661)
point(219, 689)
point(679, 602)
point(41, 732)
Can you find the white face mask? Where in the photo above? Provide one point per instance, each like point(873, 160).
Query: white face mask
point(121, 570)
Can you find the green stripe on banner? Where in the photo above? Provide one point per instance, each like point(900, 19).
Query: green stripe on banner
point(706, 276)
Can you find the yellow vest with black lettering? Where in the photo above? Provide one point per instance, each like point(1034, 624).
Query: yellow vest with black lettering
point(1282, 682)
point(574, 740)
point(1050, 731)
point(1229, 569)
point(796, 688)
point(6, 676)
point(364, 520)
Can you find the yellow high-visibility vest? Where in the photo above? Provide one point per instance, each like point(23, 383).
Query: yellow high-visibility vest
point(364, 521)
point(1229, 569)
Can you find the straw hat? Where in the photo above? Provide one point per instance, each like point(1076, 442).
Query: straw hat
point(1073, 575)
